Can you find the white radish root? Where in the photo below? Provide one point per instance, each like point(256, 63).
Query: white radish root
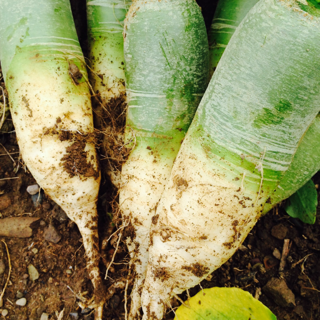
point(185, 249)
point(54, 128)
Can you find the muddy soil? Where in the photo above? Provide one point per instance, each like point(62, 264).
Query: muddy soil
point(61, 280)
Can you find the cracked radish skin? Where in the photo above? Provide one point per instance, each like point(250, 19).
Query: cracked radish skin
point(260, 103)
point(166, 56)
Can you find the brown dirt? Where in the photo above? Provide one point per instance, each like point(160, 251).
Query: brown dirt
point(197, 269)
point(109, 123)
point(75, 160)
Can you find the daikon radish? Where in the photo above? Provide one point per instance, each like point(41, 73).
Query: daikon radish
point(105, 41)
point(106, 61)
point(305, 163)
point(227, 17)
point(263, 97)
point(166, 55)
point(50, 105)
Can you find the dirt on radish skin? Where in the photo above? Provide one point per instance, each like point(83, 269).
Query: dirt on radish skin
point(75, 161)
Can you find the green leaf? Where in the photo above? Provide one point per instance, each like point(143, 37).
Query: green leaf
point(303, 203)
point(224, 304)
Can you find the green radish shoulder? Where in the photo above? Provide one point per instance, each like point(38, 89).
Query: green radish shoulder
point(105, 42)
point(227, 17)
point(305, 162)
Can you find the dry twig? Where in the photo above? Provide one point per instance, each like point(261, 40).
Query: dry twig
point(113, 256)
point(4, 108)
point(14, 163)
point(9, 273)
point(5, 154)
point(257, 293)
point(303, 259)
point(285, 252)
point(126, 299)
point(11, 178)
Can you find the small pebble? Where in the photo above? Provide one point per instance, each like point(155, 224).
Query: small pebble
point(44, 316)
point(19, 295)
point(278, 291)
point(33, 272)
point(270, 262)
point(279, 231)
point(51, 234)
point(74, 315)
point(86, 311)
point(37, 199)
point(4, 312)
point(243, 248)
point(35, 250)
point(42, 223)
point(25, 276)
point(277, 254)
point(50, 280)
point(21, 302)
point(5, 202)
point(33, 189)
point(2, 266)
point(68, 271)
